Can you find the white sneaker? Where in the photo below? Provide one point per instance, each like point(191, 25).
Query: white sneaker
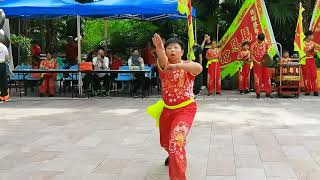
point(203, 87)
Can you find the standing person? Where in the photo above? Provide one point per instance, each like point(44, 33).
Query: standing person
point(177, 109)
point(4, 59)
point(309, 70)
point(198, 81)
point(262, 75)
point(149, 54)
point(244, 75)
point(35, 52)
point(48, 79)
point(101, 62)
point(213, 56)
point(205, 45)
point(135, 62)
point(71, 52)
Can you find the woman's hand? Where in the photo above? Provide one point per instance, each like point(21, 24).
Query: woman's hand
point(157, 41)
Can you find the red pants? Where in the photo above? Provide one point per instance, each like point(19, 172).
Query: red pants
point(309, 72)
point(48, 85)
point(244, 77)
point(262, 79)
point(214, 78)
point(174, 128)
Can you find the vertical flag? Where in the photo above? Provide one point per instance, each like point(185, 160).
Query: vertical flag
point(299, 37)
point(185, 7)
point(251, 20)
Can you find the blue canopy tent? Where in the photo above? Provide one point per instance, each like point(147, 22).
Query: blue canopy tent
point(39, 8)
point(132, 9)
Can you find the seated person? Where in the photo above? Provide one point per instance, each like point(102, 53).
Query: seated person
point(92, 54)
point(116, 63)
point(101, 62)
point(286, 58)
point(135, 62)
point(88, 76)
point(48, 84)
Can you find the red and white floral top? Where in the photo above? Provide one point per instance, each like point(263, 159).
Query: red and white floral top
point(47, 64)
point(310, 48)
point(177, 86)
point(213, 54)
point(244, 56)
point(259, 50)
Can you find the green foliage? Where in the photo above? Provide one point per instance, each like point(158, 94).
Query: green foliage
point(118, 35)
point(94, 32)
point(125, 34)
point(25, 45)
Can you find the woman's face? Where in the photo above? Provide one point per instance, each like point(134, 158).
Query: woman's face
point(174, 53)
point(135, 52)
point(311, 37)
point(214, 44)
point(49, 55)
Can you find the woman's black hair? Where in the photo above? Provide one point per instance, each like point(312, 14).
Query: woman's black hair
point(173, 35)
point(261, 37)
point(135, 49)
point(309, 33)
point(100, 47)
point(174, 40)
point(245, 43)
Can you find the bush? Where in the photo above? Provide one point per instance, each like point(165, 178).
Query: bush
point(25, 45)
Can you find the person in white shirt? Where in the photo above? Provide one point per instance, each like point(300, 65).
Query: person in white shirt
point(4, 58)
point(101, 62)
point(135, 62)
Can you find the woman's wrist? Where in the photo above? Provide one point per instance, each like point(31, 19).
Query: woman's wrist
point(180, 66)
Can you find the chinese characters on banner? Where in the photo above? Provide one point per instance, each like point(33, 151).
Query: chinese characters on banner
point(315, 23)
point(251, 20)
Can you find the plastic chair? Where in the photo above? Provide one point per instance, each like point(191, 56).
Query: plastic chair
point(18, 77)
point(124, 77)
point(72, 77)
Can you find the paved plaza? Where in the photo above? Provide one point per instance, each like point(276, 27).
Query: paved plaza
point(233, 138)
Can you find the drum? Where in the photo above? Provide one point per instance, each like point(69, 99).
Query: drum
point(267, 61)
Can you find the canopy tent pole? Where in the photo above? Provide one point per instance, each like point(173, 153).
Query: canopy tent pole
point(19, 33)
point(79, 54)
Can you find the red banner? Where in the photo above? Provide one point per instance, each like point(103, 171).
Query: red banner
point(315, 23)
point(251, 21)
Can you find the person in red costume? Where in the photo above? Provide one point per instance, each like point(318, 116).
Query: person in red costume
point(48, 84)
point(262, 75)
point(309, 70)
point(244, 76)
point(179, 107)
point(35, 52)
point(213, 56)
